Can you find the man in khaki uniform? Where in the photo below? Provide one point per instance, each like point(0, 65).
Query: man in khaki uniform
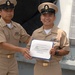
point(10, 35)
point(49, 32)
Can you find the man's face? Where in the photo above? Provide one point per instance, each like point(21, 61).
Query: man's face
point(7, 14)
point(48, 18)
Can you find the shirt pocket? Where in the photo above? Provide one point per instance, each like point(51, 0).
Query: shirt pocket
point(56, 41)
point(16, 34)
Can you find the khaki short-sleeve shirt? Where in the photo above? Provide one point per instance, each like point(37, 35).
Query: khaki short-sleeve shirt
point(12, 35)
point(56, 35)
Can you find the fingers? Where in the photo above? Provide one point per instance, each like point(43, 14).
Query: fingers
point(52, 51)
point(27, 54)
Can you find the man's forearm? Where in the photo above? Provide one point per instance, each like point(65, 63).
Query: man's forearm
point(61, 52)
point(11, 47)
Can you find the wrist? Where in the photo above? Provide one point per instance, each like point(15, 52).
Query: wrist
point(22, 50)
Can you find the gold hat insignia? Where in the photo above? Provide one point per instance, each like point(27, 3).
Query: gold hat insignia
point(8, 3)
point(46, 7)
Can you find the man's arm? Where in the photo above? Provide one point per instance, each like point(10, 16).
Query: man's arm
point(60, 52)
point(11, 47)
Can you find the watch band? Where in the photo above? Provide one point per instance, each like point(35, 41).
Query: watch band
point(57, 53)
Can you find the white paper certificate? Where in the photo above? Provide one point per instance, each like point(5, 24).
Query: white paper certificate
point(41, 49)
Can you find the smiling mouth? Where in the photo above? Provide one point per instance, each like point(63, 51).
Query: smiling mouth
point(47, 21)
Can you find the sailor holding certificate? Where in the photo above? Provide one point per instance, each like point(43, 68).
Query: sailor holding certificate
point(47, 42)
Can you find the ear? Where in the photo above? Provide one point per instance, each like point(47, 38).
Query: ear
point(55, 18)
point(0, 13)
point(40, 18)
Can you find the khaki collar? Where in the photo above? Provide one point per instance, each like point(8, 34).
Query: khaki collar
point(3, 23)
point(53, 30)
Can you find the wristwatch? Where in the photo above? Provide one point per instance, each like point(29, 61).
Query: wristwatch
point(57, 53)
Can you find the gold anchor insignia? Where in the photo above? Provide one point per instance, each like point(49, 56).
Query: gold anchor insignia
point(46, 7)
point(8, 3)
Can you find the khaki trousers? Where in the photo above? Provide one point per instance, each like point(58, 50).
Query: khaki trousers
point(8, 66)
point(52, 69)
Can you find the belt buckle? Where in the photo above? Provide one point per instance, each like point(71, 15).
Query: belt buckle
point(8, 56)
point(45, 64)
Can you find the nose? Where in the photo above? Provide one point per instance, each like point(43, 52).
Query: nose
point(47, 17)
